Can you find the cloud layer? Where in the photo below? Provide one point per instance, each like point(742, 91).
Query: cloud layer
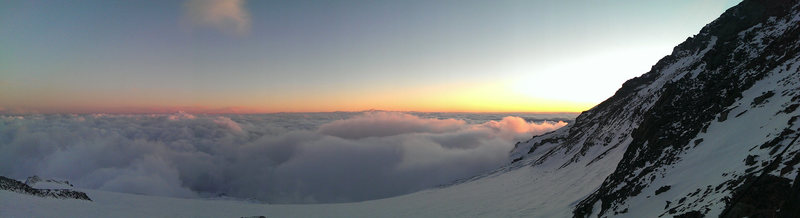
point(280, 158)
point(226, 15)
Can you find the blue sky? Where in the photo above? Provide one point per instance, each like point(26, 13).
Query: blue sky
point(272, 56)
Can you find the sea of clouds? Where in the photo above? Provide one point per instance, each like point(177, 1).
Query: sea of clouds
point(276, 158)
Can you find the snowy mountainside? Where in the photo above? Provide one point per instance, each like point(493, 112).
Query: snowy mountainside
point(708, 125)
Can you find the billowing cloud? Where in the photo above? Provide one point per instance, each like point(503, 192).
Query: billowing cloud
point(228, 123)
point(282, 158)
point(378, 124)
point(226, 15)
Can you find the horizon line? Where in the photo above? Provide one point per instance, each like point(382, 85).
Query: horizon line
point(278, 112)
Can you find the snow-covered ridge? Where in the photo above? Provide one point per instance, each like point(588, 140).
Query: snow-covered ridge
point(61, 192)
point(674, 124)
point(39, 183)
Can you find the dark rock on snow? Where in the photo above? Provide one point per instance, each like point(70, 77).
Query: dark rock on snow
point(19, 187)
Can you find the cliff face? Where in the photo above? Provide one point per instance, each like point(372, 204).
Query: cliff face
point(711, 130)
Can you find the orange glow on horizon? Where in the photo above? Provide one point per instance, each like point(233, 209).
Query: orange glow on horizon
point(256, 110)
point(480, 97)
point(475, 98)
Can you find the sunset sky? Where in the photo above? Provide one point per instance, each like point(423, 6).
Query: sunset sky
point(314, 56)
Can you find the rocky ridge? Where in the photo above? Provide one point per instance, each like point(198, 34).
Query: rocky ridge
point(710, 130)
point(19, 187)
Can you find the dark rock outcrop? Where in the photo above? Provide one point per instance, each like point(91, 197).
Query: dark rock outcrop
point(19, 187)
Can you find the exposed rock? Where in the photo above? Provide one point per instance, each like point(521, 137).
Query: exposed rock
point(19, 187)
point(760, 99)
point(662, 189)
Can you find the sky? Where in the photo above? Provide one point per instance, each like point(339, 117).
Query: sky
point(232, 56)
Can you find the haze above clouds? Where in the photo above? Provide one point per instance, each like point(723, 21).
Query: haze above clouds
point(279, 158)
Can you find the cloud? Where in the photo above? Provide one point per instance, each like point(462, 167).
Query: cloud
point(180, 115)
point(512, 127)
point(228, 16)
point(228, 123)
point(378, 124)
point(150, 175)
point(280, 158)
